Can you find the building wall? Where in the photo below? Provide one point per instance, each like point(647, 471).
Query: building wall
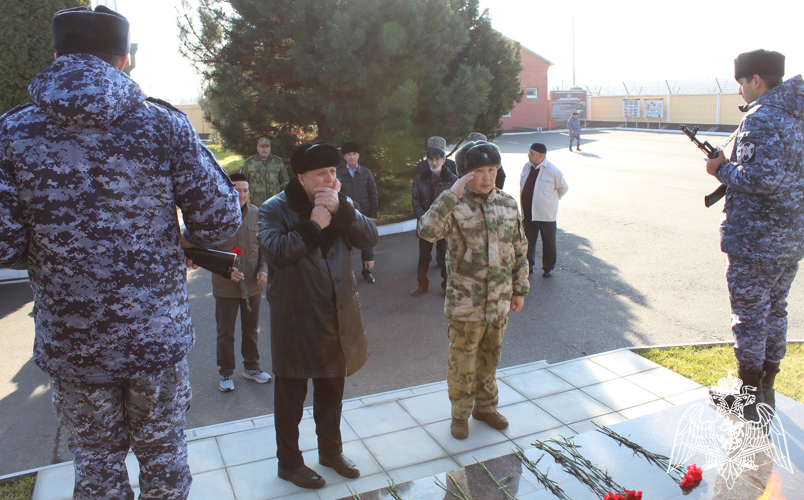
point(196, 116)
point(531, 112)
point(678, 108)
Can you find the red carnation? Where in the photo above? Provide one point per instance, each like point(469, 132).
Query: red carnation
point(612, 496)
point(693, 475)
point(237, 250)
point(633, 495)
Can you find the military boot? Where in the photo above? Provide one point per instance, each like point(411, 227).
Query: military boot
point(753, 380)
point(768, 377)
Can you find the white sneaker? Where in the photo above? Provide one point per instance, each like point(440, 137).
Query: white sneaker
point(258, 376)
point(227, 384)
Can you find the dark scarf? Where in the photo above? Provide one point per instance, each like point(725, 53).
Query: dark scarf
point(312, 236)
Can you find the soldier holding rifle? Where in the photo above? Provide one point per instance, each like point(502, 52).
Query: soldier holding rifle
point(762, 227)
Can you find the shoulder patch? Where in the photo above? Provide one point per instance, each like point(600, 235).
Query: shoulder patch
point(746, 152)
point(164, 104)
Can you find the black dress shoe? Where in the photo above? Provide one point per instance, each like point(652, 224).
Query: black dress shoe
point(547, 273)
point(303, 477)
point(369, 278)
point(341, 464)
point(418, 291)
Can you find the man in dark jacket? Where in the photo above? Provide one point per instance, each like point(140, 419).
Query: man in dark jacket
point(426, 188)
point(357, 183)
point(307, 233)
point(438, 142)
point(91, 175)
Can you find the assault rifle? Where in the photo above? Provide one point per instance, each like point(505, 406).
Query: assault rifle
point(711, 152)
point(221, 263)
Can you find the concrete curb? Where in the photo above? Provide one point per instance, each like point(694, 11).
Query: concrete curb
point(702, 344)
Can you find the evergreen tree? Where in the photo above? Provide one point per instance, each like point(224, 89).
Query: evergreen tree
point(380, 72)
point(490, 49)
point(25, 29)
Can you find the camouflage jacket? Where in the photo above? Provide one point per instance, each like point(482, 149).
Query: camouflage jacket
point(763, 218)
point(574, 126)
point(91, 175)
point(266, 178)
point(487, 258)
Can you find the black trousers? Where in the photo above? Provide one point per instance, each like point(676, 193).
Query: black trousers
point(225, 316)
point(548, 231)
point(289, 395)
point(425, 256)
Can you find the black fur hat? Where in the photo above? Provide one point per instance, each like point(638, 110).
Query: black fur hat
point(80, 30)
point(474, 155)
point(297, 158)
point(759, 62)
point(350, 147)
point(318, 155)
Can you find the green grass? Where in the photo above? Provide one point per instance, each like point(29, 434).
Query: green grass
point(18, 489)
point(230, 162)
point(706, 364)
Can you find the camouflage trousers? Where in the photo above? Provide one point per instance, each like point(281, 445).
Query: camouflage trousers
point(474, 351)
point(758, 296)
point(146, 414)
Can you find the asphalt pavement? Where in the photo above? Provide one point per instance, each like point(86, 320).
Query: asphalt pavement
point(638, 264)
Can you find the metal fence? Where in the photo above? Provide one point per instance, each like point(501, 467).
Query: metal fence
point(721, 85)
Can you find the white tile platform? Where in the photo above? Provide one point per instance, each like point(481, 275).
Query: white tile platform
point(404, 435)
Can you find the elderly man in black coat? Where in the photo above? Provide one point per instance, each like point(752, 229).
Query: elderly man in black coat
point(307, 233)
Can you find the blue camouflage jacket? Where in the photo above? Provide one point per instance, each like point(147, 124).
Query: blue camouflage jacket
point(763, 218)
point(574, 125)
point(91, 175)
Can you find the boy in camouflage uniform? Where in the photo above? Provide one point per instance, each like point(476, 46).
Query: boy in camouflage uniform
point(265, 172)
point(91, 175)
point(487, 278)
point(762, 227)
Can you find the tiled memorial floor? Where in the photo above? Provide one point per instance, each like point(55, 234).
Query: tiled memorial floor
point(403, 436)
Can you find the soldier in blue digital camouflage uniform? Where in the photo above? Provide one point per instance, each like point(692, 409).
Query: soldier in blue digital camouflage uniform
point(91, 175)
point(762, 226)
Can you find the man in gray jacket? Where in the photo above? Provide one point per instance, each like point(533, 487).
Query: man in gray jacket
point(231, 298)
point(762, 227)
point(91, 176)
point(357, 183)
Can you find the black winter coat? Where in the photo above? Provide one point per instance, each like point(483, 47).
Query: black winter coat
point(422, 185)
point(316, 326)
point(361, 189)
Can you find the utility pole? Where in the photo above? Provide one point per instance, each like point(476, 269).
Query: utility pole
point(573, 52)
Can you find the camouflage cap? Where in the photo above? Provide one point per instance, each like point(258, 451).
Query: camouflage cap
point(263, 141)
point(436, 142)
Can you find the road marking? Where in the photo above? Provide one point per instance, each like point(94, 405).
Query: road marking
point(682, 187)
point(512, 142)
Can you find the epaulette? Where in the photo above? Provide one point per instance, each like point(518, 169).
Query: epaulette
point(18, 107)
point(165, 104)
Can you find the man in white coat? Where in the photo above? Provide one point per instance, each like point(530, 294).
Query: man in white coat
point(541, 185)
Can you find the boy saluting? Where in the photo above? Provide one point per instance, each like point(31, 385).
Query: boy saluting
point(487, 277)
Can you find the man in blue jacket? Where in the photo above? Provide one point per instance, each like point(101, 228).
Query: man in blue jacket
point(762, 227)
point(91, 176)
